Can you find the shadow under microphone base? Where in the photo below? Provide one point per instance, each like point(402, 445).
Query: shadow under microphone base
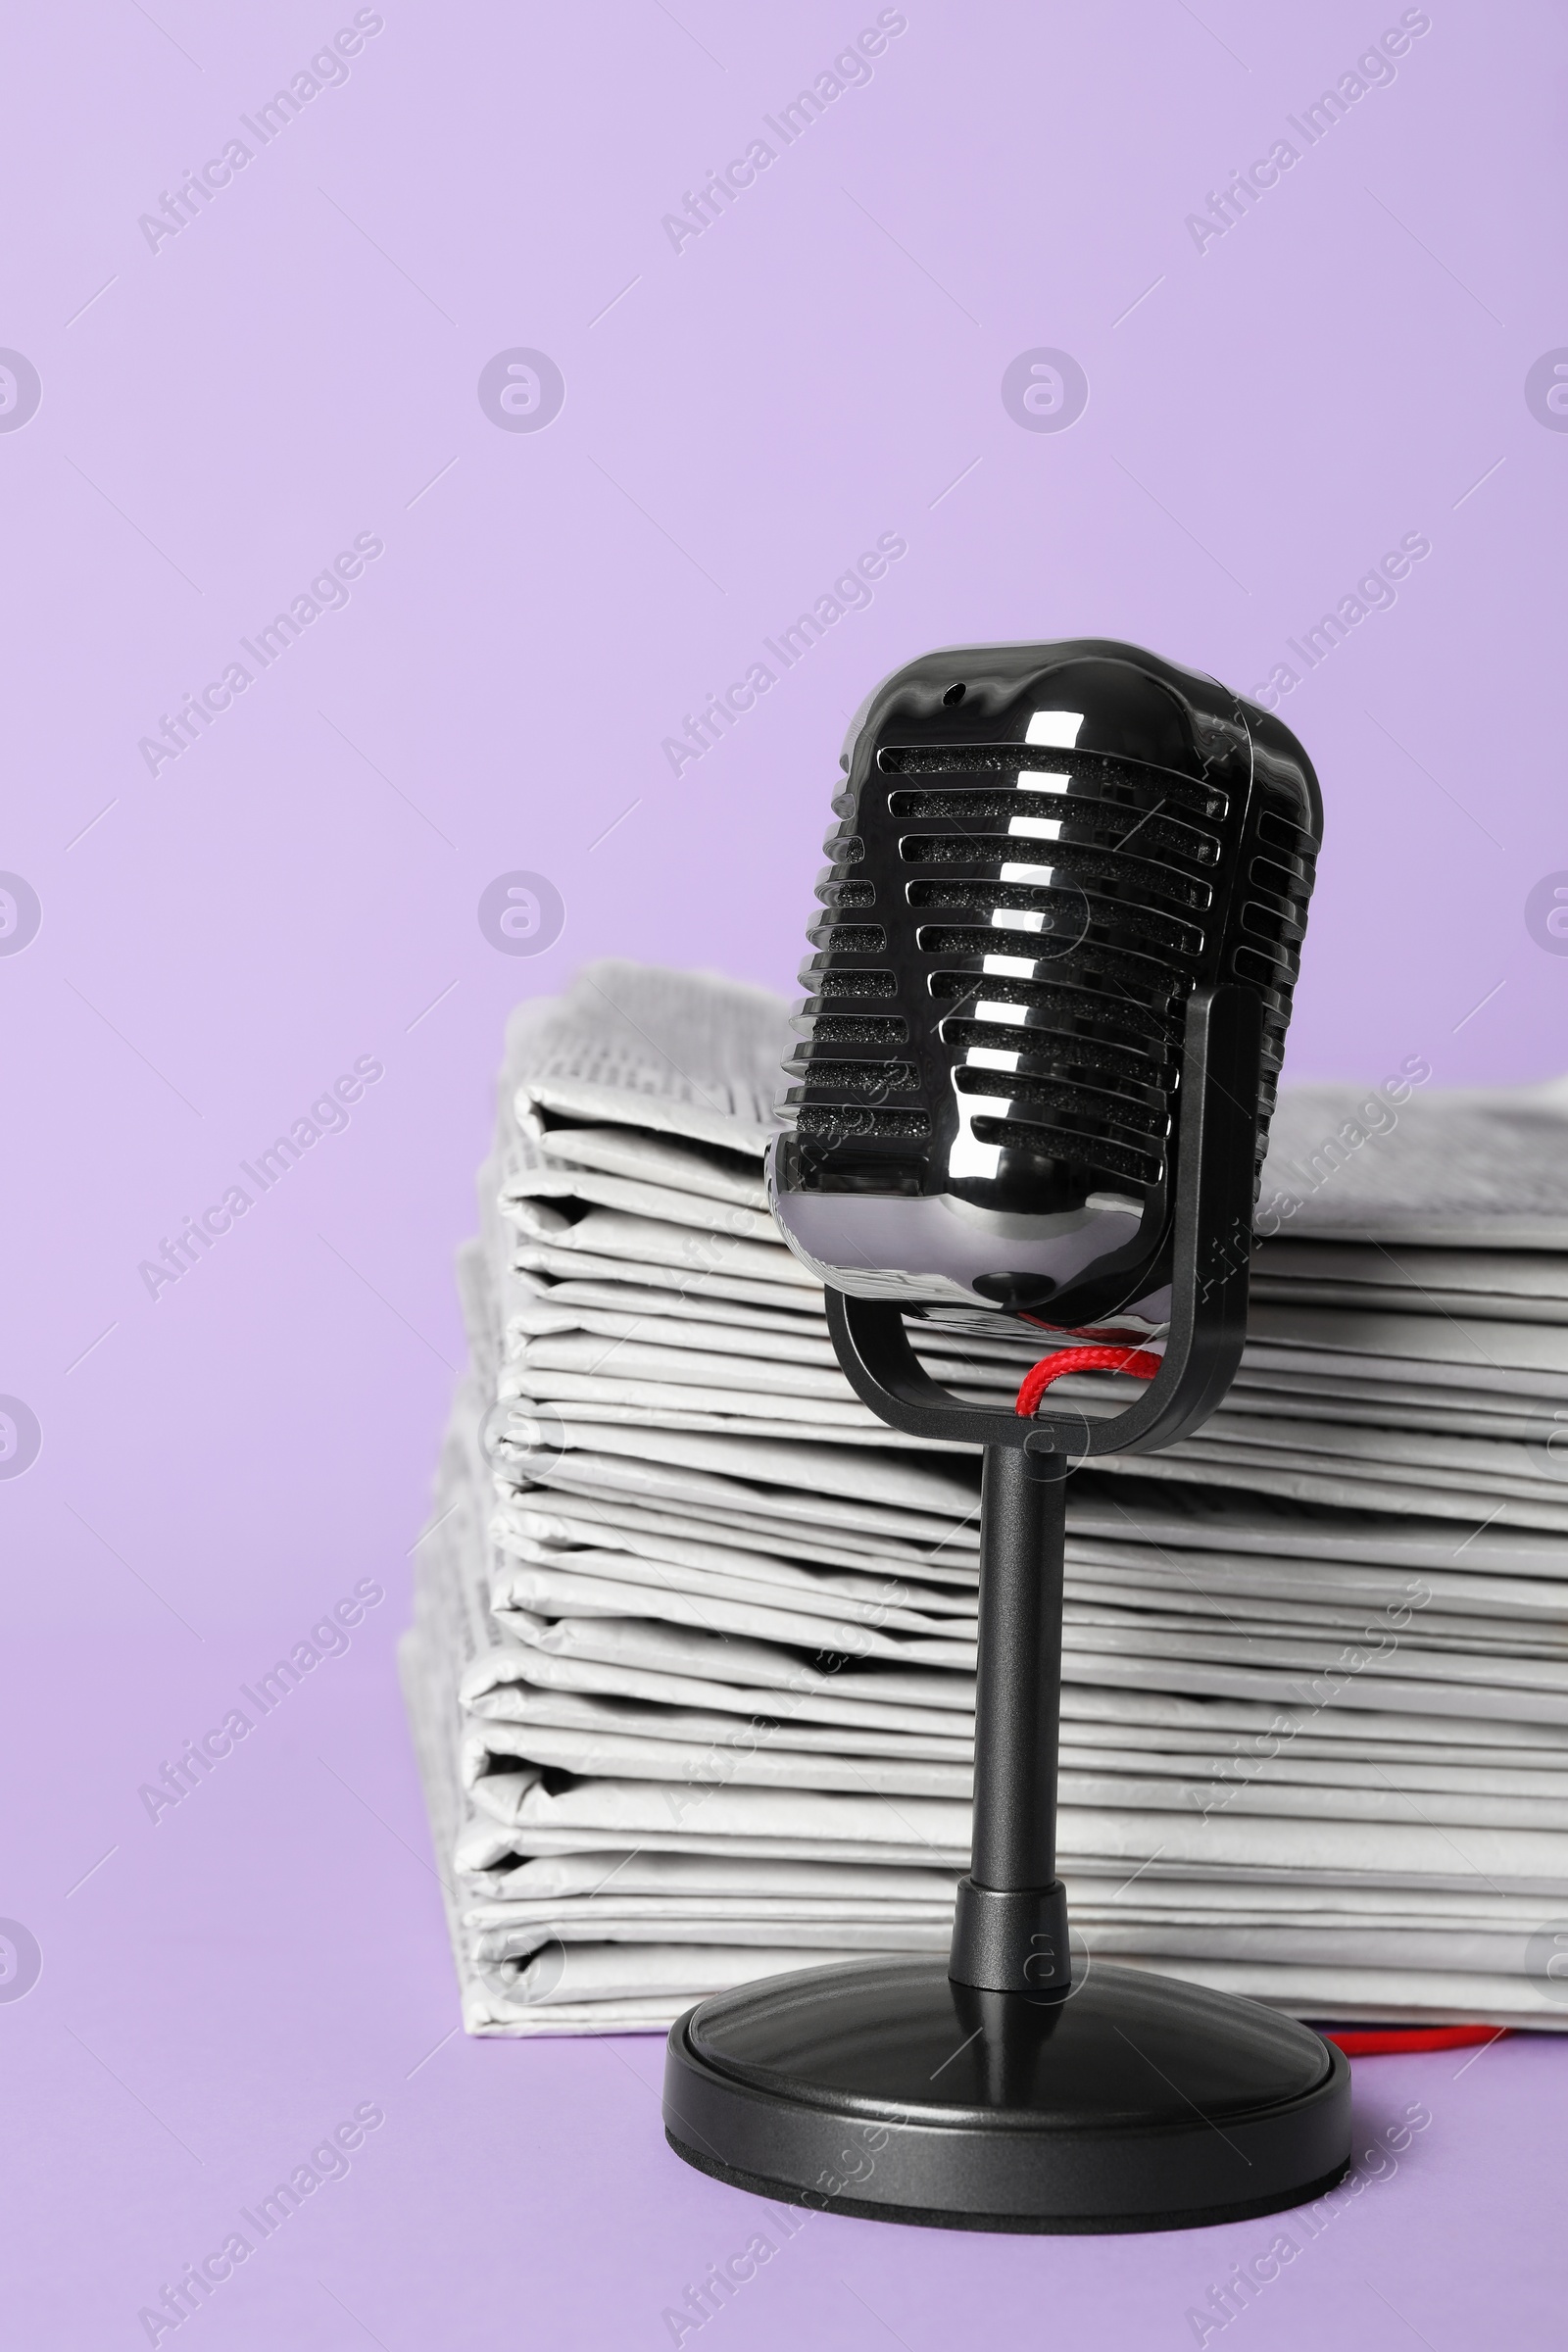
point(1017, 2087)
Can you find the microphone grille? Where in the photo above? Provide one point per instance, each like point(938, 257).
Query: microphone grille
point(1010, 930)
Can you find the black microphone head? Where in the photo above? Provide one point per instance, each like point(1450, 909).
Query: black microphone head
point(1043, 850)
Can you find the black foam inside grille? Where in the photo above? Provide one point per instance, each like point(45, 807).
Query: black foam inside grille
point(850, 939)
point(1113, 1066)
point(1067, 862)
point(1091, 1114)
point(1072, 912)
point(973, 807)
point(855, 985)
point(1097, 1152)
point(870, 1079)
point(829, 1123)
point(888, 1029)
point(1122, 1014)
point(1107, 776)
point(849, 898)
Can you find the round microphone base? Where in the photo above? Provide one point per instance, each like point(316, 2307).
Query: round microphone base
point(882, 2089)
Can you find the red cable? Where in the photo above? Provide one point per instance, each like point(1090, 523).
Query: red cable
point(1140, 1362)
point(1387, 2041)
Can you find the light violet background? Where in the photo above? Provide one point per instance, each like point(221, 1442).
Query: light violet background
point(220, 418)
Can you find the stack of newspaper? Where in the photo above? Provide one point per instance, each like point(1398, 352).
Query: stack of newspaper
point(692, 1669)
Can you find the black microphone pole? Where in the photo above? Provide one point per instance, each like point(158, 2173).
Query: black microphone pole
point(1009, 1929)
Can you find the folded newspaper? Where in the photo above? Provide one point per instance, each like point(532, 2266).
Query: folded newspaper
point(692, 1670)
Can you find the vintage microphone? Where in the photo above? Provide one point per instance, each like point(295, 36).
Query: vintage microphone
point(1046, 1008)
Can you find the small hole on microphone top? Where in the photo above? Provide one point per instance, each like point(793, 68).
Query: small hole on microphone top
point(954, 694)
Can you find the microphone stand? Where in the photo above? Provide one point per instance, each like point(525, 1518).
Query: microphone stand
point(1017, 2089)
